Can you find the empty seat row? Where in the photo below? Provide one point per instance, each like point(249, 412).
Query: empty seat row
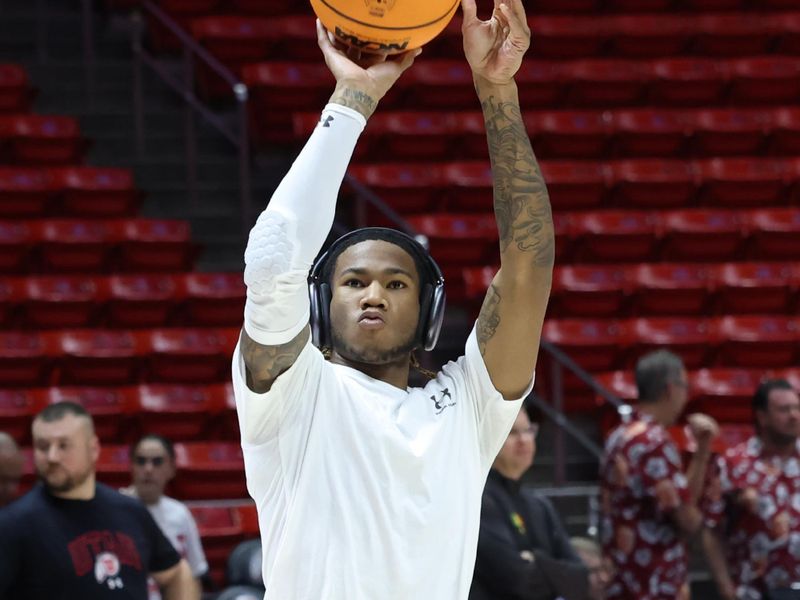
point(122, 414)
point(94, 246)
point(752, 341)
point(662, 289)
point(237, 40)
point(135, 300)
point(280, 88)
point(464, 186)
point(75, 191)
point(27, 139)
point(636, 133)
point(115, 357)
point(16, 92)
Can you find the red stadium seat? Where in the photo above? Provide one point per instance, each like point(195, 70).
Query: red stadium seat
point(182, 12)
point(615, 236)
point(596, 345)
point(25, 192)
point(111, 409)
point(620, 383)
point(113, 466)
point(714, 5)
point(564, 6)
point(228, 422)
point(17, 409)
point(687, 81)
point(99, 357)
point(641, 5)
point(92, 192)
point(641, 35)
point(765, 80)
point(26, 359)
point(220, 532)
point(701, 235)
point(692, 339)
point(733, 34)
point(76, 245)
point(62, 301)
point(788, 24)
point(209, 470)
point(16, 241)
point(12, 296)
point(589, 291)
point(759, 341)
point(16, 94)
point(469, 129)
point(730, 131)
point(671, 289)
point(159, 245)
point(191, 355)
point(471, 185)
point(580, 134)
point(441, 84)
point(43, 139)
point(653, 183)
point(142, 300)
point(649, 132)
point(575, 184)
point(732, 182)
point(774, 233)
point(477, 280)
point(280, 88)
point(459, 239)
point(179, 412)
point(567, 36)
point(215, 299)
point(540, 83)
point(264, 7)
point(785, 138)
point(604, 82)
point(755, 288)
point(724, 393)
point(405, 187)
point(414, 135)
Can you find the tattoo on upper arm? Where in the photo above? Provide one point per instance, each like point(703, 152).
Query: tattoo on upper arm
point(489, 318)
point(521, 202)
point(264, 363)
point(356, 99)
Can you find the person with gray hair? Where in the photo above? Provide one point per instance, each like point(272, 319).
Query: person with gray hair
point(649, 502)
point(10, 468)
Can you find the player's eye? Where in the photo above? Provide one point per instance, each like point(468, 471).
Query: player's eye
point(396, 285)
point(353, 283)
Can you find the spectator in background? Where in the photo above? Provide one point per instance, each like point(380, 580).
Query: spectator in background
point(152, 468)
point(649, 503)
point(72, 538)
point(755, 516)
point(10, 468)
point(523, 549)
point(600, 571)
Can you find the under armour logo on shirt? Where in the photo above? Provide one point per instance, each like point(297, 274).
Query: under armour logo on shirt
point(327, 121)
point(440, 404)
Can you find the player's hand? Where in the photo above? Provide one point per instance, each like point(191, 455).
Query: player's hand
point(495, 48)
point(372, 74)
point(703, 428)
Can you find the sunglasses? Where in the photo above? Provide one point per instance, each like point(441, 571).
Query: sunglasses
point(156, 461)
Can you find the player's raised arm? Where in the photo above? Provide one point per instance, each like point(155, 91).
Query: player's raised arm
point(290, 232)
point(510, 322)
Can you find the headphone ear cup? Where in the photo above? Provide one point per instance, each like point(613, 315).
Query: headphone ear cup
point(324, 315)
point(314, 319)
point(435, 317)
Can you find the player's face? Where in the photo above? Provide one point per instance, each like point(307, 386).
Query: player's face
point(375, 303)
point(517, 454)
point(781, 420)
point(65, 452)
point(152, 469)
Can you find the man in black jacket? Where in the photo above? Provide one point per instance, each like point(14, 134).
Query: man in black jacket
point(524, 552)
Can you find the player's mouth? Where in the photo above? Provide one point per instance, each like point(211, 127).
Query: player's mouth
point(371, 319)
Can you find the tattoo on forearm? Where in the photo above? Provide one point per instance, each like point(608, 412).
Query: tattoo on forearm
point(489, 318)
point(521, 202)
point(265, 363)
point(358, 100)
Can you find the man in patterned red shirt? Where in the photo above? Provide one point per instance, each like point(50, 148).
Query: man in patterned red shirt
point(649, 503)
point(755, 514)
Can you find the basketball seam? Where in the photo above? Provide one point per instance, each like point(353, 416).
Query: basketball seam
point(417, 26)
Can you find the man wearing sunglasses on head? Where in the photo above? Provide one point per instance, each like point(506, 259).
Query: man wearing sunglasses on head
point(152, 468)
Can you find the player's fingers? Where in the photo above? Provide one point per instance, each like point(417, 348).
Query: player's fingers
point(469, 10)
point(406, 59)
point(514, 12)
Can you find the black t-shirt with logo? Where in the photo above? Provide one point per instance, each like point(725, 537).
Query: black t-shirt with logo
point(57, 549)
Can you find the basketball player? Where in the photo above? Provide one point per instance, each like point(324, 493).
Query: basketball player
point(367, 489)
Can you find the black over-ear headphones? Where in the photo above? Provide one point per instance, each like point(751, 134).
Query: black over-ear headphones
point(432, 297)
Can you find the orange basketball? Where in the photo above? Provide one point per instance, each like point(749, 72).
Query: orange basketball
point(385, 26)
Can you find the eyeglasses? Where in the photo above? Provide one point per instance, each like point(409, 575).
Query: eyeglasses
point(156, 461)
point(530, 431)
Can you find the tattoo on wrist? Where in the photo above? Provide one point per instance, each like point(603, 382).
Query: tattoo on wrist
point(358, 100)
point(521, 202)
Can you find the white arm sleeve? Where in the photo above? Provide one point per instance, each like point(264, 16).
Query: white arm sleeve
point(290, 232)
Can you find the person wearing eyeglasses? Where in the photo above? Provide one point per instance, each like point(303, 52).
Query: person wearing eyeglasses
point(152, 468)
point(524, 552)
point(73, 538)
